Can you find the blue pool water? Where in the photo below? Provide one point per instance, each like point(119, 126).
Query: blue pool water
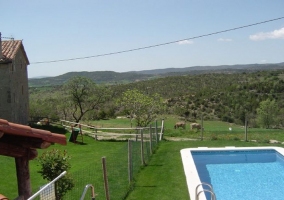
point(242, 175)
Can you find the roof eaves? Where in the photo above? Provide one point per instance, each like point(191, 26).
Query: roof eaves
point(27, 131)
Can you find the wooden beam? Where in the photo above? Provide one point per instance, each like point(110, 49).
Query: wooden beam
point(16, 151)
point(26, 142)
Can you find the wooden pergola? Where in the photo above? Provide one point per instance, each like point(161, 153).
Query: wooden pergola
point(22, 142)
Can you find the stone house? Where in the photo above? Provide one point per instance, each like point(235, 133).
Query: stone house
point(14, 98)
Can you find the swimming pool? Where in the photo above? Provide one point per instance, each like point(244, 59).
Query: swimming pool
point(245, 173)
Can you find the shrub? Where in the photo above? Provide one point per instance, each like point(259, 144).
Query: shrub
point(53, 163)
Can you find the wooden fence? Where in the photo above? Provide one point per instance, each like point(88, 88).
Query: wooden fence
point(114, 133)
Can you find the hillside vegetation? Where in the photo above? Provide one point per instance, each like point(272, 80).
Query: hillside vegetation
point(229, 97)
point(110, 77)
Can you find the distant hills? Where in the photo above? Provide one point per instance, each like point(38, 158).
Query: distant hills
point(110, 77)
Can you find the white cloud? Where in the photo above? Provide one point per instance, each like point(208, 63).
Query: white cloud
point(276, 34)
point(263, 61)
point(225, 40)
point(185, 42)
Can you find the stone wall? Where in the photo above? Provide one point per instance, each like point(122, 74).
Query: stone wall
point(14, 99)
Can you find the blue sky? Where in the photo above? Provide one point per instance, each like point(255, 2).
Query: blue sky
point(57, 30)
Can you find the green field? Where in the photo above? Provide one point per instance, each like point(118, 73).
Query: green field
point(162, 178)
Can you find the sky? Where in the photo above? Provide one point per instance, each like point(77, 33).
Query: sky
point(132, 35)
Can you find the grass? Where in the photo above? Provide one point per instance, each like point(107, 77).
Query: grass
point(85, 165)
point(217, 130)
point(162, 178)
point(213, 130)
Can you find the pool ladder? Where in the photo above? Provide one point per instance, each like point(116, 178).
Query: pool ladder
point(210, 190)
point(85, 191)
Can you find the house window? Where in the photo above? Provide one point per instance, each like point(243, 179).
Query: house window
point(13, 67)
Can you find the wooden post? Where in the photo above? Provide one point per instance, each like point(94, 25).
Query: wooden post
point(131, 122)
point(202, 127)
point(142, 147)
point(150, 135)
point(23, 177)
point(105, 178)
point(246, 129)
point(130, 166)
point(81, 133)
point(162, 130)
point(156, 131)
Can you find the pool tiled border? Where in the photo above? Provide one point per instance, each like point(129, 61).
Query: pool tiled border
point(191, 174)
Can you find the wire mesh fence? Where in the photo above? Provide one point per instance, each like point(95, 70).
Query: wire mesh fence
point(120, 168)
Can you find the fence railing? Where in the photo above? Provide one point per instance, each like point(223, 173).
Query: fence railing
point(47, 192)
point(103, 133)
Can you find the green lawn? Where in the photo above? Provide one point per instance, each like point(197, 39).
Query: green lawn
point(162, 178)
point(86, 166)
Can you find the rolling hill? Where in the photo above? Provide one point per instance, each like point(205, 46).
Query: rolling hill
point(111, 77)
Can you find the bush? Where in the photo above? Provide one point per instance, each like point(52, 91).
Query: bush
point(53, 163)
point(51, 128)
point(226, 118)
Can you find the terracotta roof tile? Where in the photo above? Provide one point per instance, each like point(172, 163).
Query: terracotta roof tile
point(10, 49)
point(26, 131)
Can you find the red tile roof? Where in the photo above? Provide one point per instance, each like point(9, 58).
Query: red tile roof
point(11, 47)
point(26, 131)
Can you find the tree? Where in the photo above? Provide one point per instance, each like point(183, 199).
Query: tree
point(267, 113)
point(45, 102)
point(63, 105)
point(53, 163)
point(84, 96)
point(142, 107)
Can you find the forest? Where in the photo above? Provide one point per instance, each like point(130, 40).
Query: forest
point(230, 97)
